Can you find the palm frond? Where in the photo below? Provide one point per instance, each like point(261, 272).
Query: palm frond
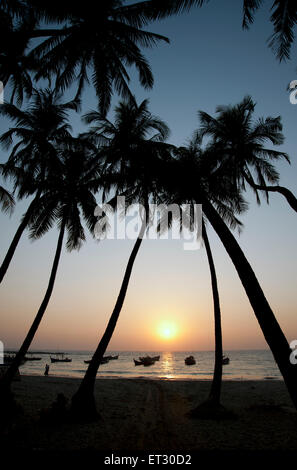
point(284, 18)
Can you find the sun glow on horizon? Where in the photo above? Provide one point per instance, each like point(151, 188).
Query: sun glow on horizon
point(167, 330)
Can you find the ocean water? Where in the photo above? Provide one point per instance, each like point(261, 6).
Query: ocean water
point(244, 365)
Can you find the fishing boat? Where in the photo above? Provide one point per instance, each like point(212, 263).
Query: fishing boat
point(32, 358)
point(148, 361)
point(145, 361)
point(190, 361)
point(225, 360)
point(60, 358)
point(146, 358)
point(103, 361)
point(138, 363)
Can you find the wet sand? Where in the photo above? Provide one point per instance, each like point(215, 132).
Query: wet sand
point(140, 415)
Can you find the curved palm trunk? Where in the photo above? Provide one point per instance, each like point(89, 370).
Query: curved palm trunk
point(83, 403)
point(268, 323)
point(17, 237)
point(291, 199)
point(8, 377)
point(215, 391)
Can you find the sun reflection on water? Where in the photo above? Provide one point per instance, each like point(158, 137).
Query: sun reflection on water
point(167, 365)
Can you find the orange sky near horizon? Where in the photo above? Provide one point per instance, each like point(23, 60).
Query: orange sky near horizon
point(169, 284)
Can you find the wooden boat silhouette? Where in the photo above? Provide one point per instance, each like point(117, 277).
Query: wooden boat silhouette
point(104, 360)
point(30, 357)
point(60, 358)
point(145, 361)
point(190, 361)
point(138, 363)
point(225, 360)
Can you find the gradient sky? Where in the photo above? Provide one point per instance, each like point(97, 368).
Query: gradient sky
point(210, 61)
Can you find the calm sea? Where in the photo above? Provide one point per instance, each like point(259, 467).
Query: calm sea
point(243, 365)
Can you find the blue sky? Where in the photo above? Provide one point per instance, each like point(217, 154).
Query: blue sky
point(210, 61)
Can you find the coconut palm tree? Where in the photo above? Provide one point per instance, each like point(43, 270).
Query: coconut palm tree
point(67, 198)
point(264, 314)
point(239, 144)
point(201, 164)
point(132, 146)
point(38, 129)
point(86, 45)
point(94, 47)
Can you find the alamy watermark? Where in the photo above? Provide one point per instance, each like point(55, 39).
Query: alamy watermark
point(1, 93)
point(293, 355)
point(293, 94)
point(177, 222)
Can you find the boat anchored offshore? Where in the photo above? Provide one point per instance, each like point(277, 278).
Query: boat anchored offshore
point(104, 360)
point(30, 357)
point(146, 361)
point(60, 358)
point(190, 361)
point(225, 360)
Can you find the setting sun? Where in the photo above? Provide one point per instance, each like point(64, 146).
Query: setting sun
point(167, 330)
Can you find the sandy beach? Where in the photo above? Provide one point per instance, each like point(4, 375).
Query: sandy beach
point(140, 415)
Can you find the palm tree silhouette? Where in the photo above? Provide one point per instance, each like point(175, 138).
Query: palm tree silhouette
point(93, 47)
point(68, 197)
point(89, 46)
point(190, 186)
point(37, 129)
point(239, 144)
point(132, 156)
point(199, 165)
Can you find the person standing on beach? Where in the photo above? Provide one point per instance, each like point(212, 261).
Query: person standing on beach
point(46, 369)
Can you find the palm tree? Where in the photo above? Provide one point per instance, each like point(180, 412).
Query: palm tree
point(283, 17)
point(132, 155)
point(96, 47)
point(67, 197)
point(37, 129)
point(239, 144)
point(90, 45)
point(201, 164)
point(264, 314)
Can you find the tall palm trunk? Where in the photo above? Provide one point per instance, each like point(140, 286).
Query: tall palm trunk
point(268, 323)
point(83, 403)
point(215, 391)
point(9, 375)
point(23, 225)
